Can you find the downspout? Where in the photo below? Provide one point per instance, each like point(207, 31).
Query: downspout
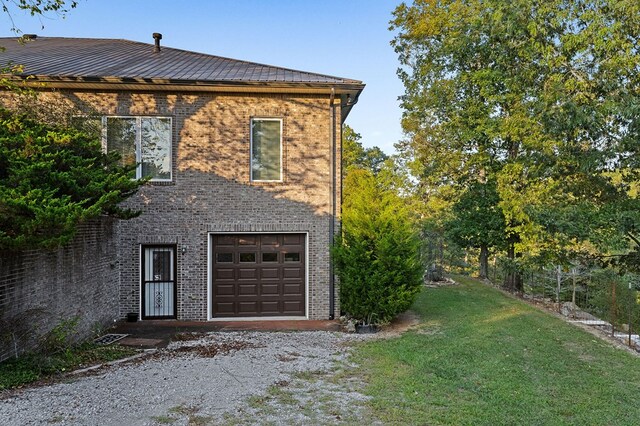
point(332, 220)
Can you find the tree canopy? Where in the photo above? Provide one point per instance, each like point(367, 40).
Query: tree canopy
point(35, 8)
point(355, 155)
point(540, 97)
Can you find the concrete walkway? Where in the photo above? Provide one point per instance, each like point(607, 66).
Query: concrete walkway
point(158, 333)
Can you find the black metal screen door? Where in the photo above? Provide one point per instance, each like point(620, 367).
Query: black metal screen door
point(158, 282)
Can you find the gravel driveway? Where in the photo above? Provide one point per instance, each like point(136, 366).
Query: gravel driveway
point(216, 378)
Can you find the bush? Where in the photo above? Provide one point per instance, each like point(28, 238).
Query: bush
point(53, 178)
point(377, 258)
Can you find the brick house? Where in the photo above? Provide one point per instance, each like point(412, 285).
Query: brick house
point(244, 165)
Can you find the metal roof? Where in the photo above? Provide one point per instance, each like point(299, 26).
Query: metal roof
point(86, 59)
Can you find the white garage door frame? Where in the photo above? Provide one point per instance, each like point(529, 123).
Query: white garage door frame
point(266, 318)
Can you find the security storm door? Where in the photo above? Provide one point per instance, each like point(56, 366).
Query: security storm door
point(158, 282)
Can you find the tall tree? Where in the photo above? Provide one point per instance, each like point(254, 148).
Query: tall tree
point(541, 97)
point(478, 222)
point(355, 155)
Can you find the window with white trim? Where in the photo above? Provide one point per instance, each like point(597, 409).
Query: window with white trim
point(266, 149)
point(145, 141)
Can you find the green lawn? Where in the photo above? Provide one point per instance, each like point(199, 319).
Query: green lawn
point(482, 358)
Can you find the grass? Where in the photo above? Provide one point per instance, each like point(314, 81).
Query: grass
point(188, 412)
point(29, 368)
point(163, 420)
point(479, 357)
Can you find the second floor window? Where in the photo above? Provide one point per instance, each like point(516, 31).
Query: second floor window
point(266, 149)
point(145, 141)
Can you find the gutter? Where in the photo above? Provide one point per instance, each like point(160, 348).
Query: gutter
point(159, 84)
point(332, 220)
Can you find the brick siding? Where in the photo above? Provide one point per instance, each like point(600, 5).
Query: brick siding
point(211, 189)
point(41, 288)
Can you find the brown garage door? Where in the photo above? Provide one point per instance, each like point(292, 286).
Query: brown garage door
point(258, 275)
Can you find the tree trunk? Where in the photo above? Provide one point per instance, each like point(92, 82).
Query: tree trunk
point(574, 273)
point(558, 285)
point(513, 277)
point(484, 262)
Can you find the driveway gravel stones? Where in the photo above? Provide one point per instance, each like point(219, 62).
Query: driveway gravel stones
point(215, 378)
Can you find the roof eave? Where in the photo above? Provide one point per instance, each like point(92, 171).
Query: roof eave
point(149, 84)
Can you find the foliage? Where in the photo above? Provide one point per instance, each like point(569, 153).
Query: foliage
point(354, 155)
point(541, 98)
point(36, 8)
point(60, 337)
point(53, 178)
point(478, 222)
point(17, 372)
point(378, 255)
point(477, 219)
point(58, 351)
point(495, 361)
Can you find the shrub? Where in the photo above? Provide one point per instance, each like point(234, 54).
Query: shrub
point(377, 257)
point(51, 179)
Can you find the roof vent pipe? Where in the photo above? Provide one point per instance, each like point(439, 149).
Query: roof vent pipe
point(157, 37)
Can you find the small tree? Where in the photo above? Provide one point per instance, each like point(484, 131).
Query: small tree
point(53, 178)
point(377, 257)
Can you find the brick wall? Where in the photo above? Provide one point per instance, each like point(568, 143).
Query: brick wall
point(40, 288)
point(211, 189)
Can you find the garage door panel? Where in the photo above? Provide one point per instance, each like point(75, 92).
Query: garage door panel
point(247, 307)
point(292, 307)
point(224, 308)
point(225, 290)
point(293, 289)
point(292, 239)
point(269, 289)
point(225, 240)
point(247, 240)
point(292, 272)
point(270, 307)
point(248, 289)
point(247, 273)
point(224, 274)
point(258, 275)
point(269, 273)
point(270, 240)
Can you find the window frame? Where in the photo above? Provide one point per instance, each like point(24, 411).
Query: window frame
point(260, 118)
point(138, 142)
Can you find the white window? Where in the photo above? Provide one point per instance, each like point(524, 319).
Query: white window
point(266, 149)
point(145, 141)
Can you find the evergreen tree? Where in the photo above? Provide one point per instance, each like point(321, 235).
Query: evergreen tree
point(378, 256)
point(51, 179)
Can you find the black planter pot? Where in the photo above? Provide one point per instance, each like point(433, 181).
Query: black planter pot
point(132, 317)
point(366, 328)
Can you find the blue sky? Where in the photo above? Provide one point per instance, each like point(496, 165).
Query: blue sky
point(346, 38)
